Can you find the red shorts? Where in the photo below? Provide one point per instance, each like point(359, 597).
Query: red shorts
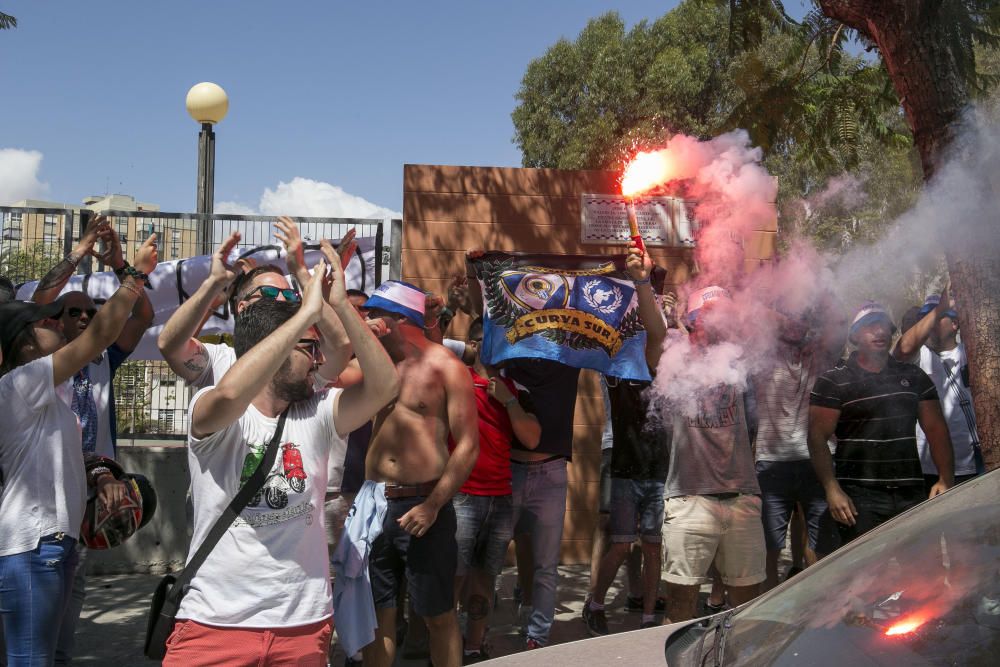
point(193, 644)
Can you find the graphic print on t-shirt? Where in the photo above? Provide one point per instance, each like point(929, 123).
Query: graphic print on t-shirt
point(717, 408)
point(287, 477)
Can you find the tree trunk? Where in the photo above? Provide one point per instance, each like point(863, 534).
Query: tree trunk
point(919, 55)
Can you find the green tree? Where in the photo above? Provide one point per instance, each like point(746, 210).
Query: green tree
point(7, 22)
point(30, 263)
point(929, 49)
point(589, 103)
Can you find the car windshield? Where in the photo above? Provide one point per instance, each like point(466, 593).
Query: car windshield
point(923, 591)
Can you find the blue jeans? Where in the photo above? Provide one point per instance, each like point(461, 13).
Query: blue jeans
point(782, 485)
point(34, 589)
point(636, 510)
point(485, 529)
point(539, 508)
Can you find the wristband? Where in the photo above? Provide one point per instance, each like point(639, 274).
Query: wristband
point(137, 274)
point(73, 258)
point(97, 471)
point(644, 281)
point(509, 402)
point(428, 327)
point(120, 271)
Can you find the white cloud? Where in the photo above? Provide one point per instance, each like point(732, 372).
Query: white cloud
point(306, 197)
point(234, 208)
point(19, 175)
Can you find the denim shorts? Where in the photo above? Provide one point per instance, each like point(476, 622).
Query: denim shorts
point(782, 485)
point(485, 529)
point(636, 510)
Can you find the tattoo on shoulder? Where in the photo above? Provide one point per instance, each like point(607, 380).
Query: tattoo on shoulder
point(198, 361)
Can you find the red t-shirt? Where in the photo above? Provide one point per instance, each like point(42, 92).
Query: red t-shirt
point(491, 474)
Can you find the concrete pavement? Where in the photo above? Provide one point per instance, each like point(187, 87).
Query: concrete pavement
point(113, 623)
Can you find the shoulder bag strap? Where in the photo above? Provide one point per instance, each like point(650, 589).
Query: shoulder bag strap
point(232, 511)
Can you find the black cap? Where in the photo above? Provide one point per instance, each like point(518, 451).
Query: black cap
point(16, 315)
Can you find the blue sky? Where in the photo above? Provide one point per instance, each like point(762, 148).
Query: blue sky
point(340, 93)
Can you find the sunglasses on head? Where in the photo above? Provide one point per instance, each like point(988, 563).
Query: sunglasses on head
point(308, 345)
point(77, 312)
point(269, 292)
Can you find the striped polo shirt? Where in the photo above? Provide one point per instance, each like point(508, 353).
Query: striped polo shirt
point(876, 431)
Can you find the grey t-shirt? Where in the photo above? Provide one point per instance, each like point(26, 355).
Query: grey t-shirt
point(710, 452)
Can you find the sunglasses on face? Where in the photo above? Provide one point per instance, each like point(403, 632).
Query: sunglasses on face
point(308, 345)
point(269, 292)
point(77, 312)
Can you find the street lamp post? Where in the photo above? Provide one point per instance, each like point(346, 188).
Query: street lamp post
point(207, 103)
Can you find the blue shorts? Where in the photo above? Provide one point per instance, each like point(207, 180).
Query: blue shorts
point(636, 510)
point(782, 485)
point(485, 528)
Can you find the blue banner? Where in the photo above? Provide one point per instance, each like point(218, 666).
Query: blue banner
point(580, 310)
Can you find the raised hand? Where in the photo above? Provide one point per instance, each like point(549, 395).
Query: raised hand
point(288, 233)
point(346, 248)
point(112, 255)
point(458, 293)
point(96, 225)
point(146, 256)
point(221, 270)
point(338, 288)
point(638, 265)
point(317, 291)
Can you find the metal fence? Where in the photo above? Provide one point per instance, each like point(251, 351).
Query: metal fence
point(150, 400)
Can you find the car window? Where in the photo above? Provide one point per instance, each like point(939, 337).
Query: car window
point(925, 590)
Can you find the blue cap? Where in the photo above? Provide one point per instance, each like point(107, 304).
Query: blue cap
point(401, 298)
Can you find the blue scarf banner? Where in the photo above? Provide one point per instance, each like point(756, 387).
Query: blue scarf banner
point(579, 310)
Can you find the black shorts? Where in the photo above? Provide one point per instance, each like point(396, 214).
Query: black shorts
point(428, 563)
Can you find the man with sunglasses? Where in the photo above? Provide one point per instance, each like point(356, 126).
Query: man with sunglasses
point(202, 364)
point(93, 399)
point(263, 594)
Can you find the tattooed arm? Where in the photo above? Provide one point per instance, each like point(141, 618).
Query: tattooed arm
point(184, 353)
point(52, 282)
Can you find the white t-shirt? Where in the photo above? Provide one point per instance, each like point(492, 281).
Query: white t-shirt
point(220, 359)
point(952, 392)
point(45, 486)
point(782, 394)
point(271, 568)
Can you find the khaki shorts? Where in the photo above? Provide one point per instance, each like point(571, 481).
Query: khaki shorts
point(702, 529)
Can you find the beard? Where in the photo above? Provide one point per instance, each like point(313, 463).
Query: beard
point(290, 389)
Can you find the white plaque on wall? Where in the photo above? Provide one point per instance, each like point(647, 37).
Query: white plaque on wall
point(663, 221)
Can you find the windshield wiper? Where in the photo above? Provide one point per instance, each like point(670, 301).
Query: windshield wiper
point(719, 646)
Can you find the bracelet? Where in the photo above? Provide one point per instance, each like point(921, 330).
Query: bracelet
point(644, 281)
point(428, 327)
point(130, 288)
point(73, 258)
point(120, 271)
point(137, 274)
point(97, 471)
point(510, 401)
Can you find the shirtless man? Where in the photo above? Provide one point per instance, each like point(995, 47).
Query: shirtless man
point(409, 452)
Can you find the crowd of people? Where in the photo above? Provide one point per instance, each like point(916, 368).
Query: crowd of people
point(406, 467)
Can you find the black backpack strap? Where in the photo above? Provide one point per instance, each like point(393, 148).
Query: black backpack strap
point(232, 511)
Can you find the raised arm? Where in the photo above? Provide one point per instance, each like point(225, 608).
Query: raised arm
point(914, 337)
point(142, 312)
point(335, 343)
point(107, 324)
point(52, 282)
point(378, 383)
point(822, 425)
point(639, 267)
point(184, 353)
point(224, 403)
point(939, 440)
